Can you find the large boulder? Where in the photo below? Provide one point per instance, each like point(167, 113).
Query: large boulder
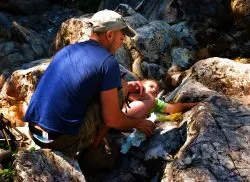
point(214, 149)
point(240, 9)
point(17, 90)
point(223, 75)
point(18, 44)
point(71, 31)
point(46, 165)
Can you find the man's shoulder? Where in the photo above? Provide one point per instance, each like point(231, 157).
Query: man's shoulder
point(94, 50)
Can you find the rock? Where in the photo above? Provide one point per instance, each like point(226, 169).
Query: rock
point(5, 25)
point(182, 57)
point(205, 35)
point(240, 10)
point(154, 71)
point(46, 165)
point(129, 75)
point(212, 136)
point(72, 31)
point(5, 155)
point(18, 89)
point(112, 4)
point(125, 10)
point(223, 75)
point(185, 35)
point(88, 6)
point(193, 91)
point(21, 45)
point(174, 77)
point(216, 152)
point(153, 41)
point(25, 6)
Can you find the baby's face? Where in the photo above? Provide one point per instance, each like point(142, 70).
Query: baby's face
point(151, 87)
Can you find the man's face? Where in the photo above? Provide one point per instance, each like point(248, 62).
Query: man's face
point(151, 87)
point(115, 41)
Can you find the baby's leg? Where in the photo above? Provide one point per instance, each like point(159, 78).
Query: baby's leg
point(140, 109)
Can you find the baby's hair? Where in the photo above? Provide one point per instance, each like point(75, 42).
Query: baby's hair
point(145, 80)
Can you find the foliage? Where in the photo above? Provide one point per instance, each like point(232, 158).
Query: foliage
point(6, 174)
point(3, 145)
point(6, 170)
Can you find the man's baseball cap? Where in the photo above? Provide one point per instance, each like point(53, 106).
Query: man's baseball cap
point(105, 20)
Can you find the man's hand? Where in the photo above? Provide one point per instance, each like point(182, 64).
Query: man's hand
point(136, 96)
point(146, 126)
point(135, 87)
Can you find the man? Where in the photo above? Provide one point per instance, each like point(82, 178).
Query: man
point(63, 113)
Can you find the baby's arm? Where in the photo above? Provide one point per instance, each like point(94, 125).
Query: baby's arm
point(179, 107)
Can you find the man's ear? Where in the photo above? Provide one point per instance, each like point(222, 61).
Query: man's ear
point(109, 35)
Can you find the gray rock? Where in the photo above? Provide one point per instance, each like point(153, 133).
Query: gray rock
point(25, 6)
point(45, 165)
point(182, 57)
point(154, 40)
point(216, 152)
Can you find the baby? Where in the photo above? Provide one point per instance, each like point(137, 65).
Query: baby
point(142, 106)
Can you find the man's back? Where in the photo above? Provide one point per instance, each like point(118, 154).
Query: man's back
point(76, 74)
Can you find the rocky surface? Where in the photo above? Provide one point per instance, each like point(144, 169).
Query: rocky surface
point(215, 133)
point(220, 150)
point(17, 90)
point(44, 165)
point(209, 143)
point(224, 76)
point(25, 6)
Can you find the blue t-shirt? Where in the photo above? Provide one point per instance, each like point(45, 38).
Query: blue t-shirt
point(78, 73)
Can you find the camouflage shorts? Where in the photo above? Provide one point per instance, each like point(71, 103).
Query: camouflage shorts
point(92, 122)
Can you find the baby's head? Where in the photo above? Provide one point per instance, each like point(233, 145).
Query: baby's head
point(151, 87)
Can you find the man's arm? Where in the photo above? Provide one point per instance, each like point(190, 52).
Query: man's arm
point(100, 135)
point(115, 118)
point(135, 87)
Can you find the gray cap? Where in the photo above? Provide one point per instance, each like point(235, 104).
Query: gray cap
point(110, 20)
